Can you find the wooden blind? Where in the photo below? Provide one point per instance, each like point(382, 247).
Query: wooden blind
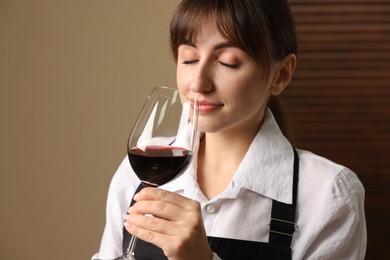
point(339, 98)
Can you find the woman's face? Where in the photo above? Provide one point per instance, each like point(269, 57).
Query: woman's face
point(232, 89)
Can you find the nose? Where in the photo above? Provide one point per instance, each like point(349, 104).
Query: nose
point(202, 79)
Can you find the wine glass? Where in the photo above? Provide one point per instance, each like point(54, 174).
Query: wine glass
point(162, 141)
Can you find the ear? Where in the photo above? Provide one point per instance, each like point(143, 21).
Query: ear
point(283, 73)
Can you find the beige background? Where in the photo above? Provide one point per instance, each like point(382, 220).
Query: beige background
point(73, 76)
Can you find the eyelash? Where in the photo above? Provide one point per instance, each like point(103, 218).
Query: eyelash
point(187, 62)
point(231, 66)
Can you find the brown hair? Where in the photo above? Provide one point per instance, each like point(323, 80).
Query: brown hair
point(264, 29)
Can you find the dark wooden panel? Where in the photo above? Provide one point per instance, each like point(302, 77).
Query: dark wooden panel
point(339, 98)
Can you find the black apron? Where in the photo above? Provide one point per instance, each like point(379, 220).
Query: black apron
point(281, 227)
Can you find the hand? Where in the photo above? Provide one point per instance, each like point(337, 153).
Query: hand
point(176, 226)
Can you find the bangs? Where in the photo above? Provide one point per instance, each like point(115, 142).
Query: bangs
point(227, 17)
point(190, 18)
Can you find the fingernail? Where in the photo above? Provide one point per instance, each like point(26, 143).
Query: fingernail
point(127, 225)
point(136, 197)
point(129, 210)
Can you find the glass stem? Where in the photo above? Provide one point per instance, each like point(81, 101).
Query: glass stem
point(131, 247)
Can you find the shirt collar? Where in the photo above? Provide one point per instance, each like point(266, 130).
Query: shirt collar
point(267, 167)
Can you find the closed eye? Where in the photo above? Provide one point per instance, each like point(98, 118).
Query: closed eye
point(232, 66)
point(189, 62)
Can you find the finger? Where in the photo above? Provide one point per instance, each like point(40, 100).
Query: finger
point(167, 196)
point(147, 235)
point(161, 209)
point(184, 237)
point(168, 218)
point(150, 223)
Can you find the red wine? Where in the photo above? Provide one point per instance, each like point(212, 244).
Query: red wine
point(157, 165)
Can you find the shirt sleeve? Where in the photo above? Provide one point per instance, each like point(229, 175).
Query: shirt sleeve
point(121, 190)
point(340, 227)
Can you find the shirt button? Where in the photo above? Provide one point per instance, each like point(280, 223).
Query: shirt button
point(211, 208)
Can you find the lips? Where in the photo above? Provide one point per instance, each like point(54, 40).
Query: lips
point(206, 107)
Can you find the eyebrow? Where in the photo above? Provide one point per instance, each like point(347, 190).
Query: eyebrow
point(216, 47)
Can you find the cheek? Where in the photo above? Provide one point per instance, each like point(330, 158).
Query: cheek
point(253, 93)
point(182, 80)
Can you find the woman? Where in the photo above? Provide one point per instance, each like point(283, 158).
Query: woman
point(241, 198)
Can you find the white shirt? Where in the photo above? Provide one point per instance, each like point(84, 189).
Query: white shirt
point(330, 206)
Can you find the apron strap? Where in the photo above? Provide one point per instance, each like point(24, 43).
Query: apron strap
point(126, 235)
point(282, 225)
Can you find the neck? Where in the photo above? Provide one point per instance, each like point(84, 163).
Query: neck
point(219, 156)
